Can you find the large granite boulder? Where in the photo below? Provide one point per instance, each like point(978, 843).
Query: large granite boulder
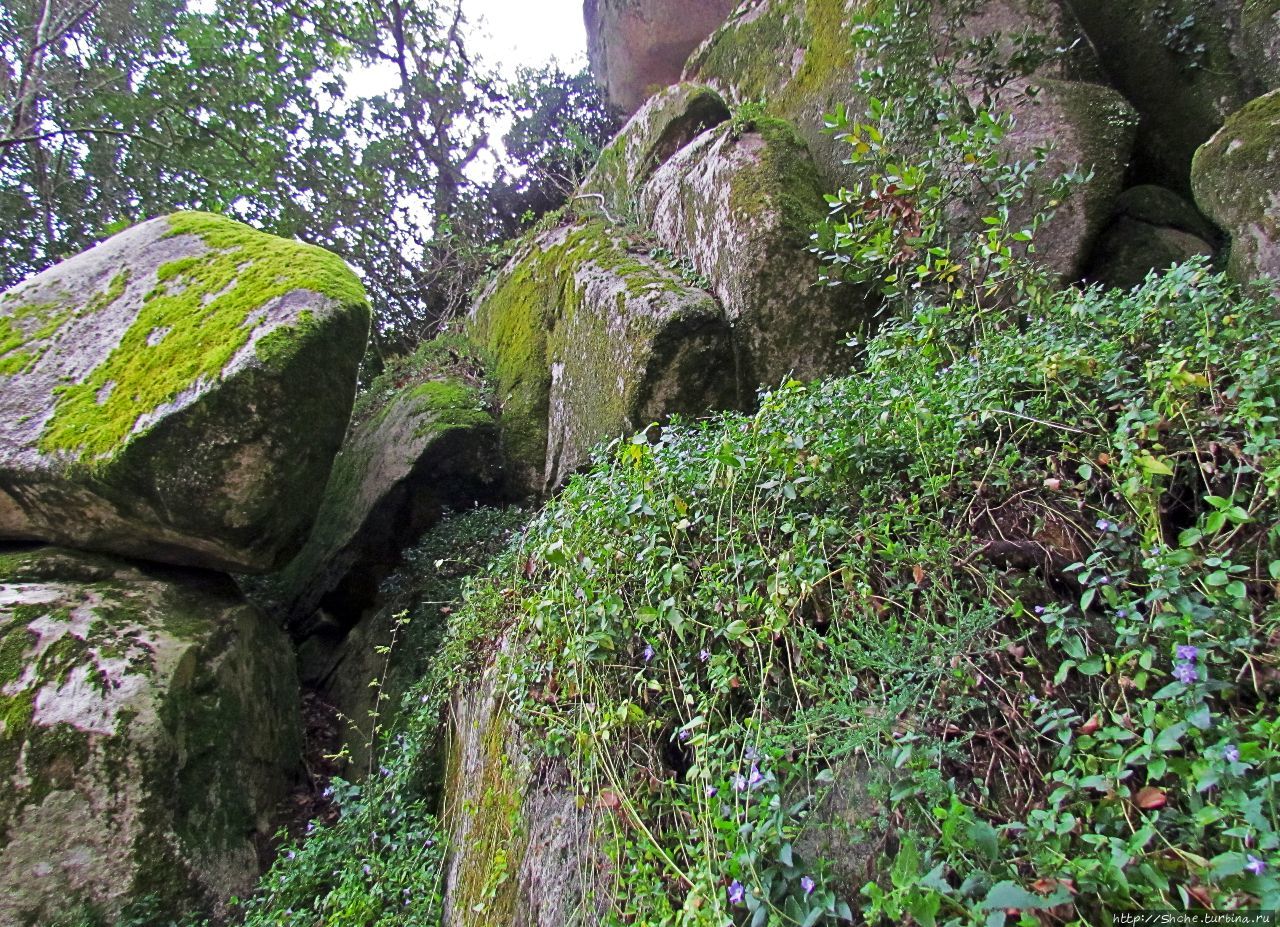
point(740, 204)
point(177, 393)
point(1153, 228)
point(591, 340)
point(149, 725)
point(1236, 180)
point(1184, 64)
point(1056, 106)
point(639, 46)
point(669, 120)
point(416, 450)
point(526, 852)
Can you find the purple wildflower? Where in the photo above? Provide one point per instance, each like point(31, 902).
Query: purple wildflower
point(1102, 524)
point(736, 892)
point(1255, 865)
point(1188, 652)
point(1039, 609)
point(1122, 613)
point(367, 869)
point(1231, 753)
point(685, 735)
point(648, 652)
point(712, 791)
point(739, 783)
point(1185, 673)
point(704, 654)
point(756, 778)
point(807, 884)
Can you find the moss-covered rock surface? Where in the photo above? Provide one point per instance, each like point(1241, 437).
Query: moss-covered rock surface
point(1236, 179)
point(176, 392)
point(148, 728)
point(590, 338)
point(424, 440)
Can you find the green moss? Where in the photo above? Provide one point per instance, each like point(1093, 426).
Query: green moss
point(448, 404)
point(191, 329)
point(784, 179)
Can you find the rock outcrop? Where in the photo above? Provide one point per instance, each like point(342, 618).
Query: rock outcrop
point(177, 393)
point(1236, 180)
point(639, 46)
point(740, 203)
point(148, 728)
point(428, 447)
point(1153, 229)
point(1080, 123)
point(526, 852)
point(591, 340)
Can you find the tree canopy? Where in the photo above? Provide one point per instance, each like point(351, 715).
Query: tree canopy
point(116, 110)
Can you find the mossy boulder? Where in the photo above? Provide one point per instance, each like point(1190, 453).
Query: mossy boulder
point(797, 56)
point(1236, 180)
point(177, 392)
point(410, 457)
point(589, 339)
point(1130, 250)
point(739, 205)
point(525, 850)
point(149, 726)
point(668, 121)
point(637, 47)
point(1182, 64)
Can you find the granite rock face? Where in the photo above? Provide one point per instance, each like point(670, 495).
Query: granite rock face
point(149, 726)
point(639, 46)
point(176, 393)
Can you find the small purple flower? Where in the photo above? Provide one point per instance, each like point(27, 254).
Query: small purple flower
point(704, 654)
point(1188, 652)
point(1039, 609)
point(1231, 753)
point(1122, 613)
point(685, 735)
point(736, 892)
point(385, 772)
point(367, 869)
point(739, 783)
point(291, 854)
point(752, 754)
point(756, 778)
point(648, 652)
point(1102, 524)
point(1185, 673)
point(807, 884)
point(1255, 865)
point(712, 791)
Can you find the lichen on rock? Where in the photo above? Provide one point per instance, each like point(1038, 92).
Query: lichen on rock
point(148, 727)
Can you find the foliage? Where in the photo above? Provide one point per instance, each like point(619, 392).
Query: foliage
point(111, 112)
point(922, 573)
point(940, 205)
point(381, 861)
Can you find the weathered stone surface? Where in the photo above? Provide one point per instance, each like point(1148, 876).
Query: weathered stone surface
point(1161, 206)
point(797, 56)
point(591, 341)
point(668, 121)
point(524, 852)
point(740, 206)
point(1082, 124)
point(1259, 43)
point(1129, 250)
point(148, 726)
point(1184, 64)
point(431, 446)
point(1236, 179)
point(177, 393)
point(639, 46)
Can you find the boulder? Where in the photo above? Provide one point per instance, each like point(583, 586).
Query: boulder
point(429, 446)
point(177, 393)
point(1130, 250)
point(1236, 180)
point(639, 46)
point(1184, 64)
point(525, 848)
point(668, 121)
point(740, 203)
point(149, 726)
point(1083, 124)
point(589, 341)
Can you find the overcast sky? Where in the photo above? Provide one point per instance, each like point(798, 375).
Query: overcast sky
point(510, 33)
